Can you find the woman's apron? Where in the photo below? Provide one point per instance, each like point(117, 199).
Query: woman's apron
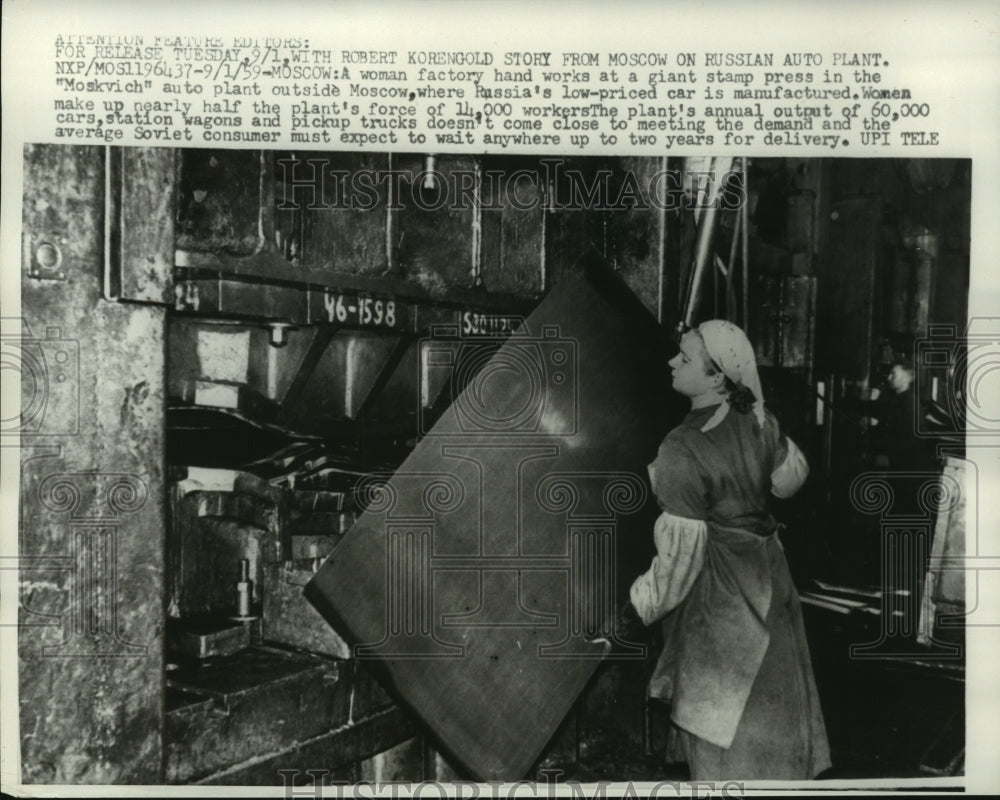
point(735, 666)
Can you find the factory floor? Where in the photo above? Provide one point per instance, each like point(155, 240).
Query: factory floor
point(611, 735)
point(886, 717)
point(895, 713)
point(604, 755)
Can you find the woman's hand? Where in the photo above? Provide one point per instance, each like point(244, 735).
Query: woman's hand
point(628, 626)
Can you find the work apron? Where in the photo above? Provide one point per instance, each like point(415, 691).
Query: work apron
point(735, 666)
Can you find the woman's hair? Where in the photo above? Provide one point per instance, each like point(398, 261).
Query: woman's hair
point(740, 397)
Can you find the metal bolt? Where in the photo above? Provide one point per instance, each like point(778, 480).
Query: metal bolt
point(48, 256)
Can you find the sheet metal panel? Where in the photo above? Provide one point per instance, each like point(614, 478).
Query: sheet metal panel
point(486, 567)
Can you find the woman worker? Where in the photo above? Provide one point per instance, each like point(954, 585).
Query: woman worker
point(735, 663)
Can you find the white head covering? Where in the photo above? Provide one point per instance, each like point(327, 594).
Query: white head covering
point(730, 349)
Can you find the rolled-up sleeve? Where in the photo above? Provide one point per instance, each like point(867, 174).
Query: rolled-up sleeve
point(680, 555)
point(791, 472)
point(680, 532)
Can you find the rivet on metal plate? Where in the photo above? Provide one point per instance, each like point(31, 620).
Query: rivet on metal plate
point(48, 257)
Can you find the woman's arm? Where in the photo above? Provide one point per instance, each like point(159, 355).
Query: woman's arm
point(680, 555)
point(791, 473)
point(679, 534)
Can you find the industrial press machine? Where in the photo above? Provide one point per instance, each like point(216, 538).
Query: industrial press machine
point(234, 363)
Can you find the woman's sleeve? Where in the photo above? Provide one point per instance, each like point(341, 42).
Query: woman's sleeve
point(679, 534)
point(680, 555)
point(792, 470)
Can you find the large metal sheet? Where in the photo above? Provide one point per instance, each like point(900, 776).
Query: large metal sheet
point(485, 568)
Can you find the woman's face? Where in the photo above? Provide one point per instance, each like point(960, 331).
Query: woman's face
point(689, 368)
point(900, 379)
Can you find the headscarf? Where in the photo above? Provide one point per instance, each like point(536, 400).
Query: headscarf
point(732, 352)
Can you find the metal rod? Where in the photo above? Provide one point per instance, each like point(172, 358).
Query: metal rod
point(718, 267)
point(700, 260)
point(737, 228)
point(265, 214)
point(828, 440)
point(661, 218)
point(745, 236)
point(390, 221)
point(704, 246)
point(476, 261)
point(244, 590)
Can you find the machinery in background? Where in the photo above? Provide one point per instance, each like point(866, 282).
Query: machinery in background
point(212, 363)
